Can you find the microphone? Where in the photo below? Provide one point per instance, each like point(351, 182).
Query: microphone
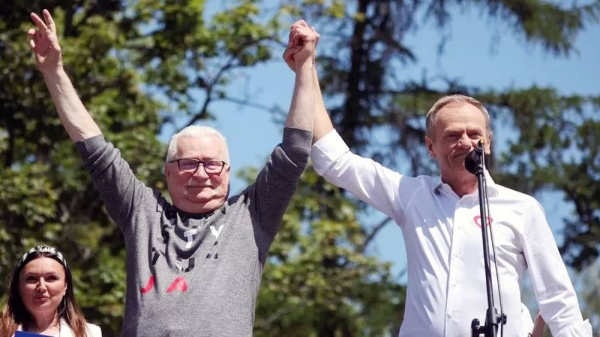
point(474, 159)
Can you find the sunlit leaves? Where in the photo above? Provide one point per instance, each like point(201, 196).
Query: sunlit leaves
point(320, 279)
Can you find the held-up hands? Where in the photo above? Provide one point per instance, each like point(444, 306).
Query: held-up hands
point(301, 46)
point(44, 42)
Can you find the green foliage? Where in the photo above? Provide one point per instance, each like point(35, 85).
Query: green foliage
point(320, 281)
point(47, 197)
point(131, 62)
point(556, 144)
point(557, 149)
point(589, 282)
point(188, 59)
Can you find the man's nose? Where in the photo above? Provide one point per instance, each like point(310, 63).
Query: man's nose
point(200, 172)
point(466, 143)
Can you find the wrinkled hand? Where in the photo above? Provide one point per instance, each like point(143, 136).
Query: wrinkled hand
point(44, 42)
point(301, 46)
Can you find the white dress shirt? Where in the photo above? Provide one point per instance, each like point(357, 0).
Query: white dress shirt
point(446, 286)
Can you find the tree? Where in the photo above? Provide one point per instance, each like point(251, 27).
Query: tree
point(361, 70)
point(49, 198)
point(589, 281)
point(360, 59)
point(320, 279)
point(138, 66)
point(135, 65)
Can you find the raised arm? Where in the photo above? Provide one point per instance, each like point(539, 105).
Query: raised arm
point(322, 122)
point(299, 55)
point(366, 179)
point(112, 176)
point(277, 181)
point(72, 113)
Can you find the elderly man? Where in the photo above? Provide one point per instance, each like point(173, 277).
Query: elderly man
point(439, 219)
point(193, 267)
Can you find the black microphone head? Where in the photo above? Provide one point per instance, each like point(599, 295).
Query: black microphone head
point(473, 161)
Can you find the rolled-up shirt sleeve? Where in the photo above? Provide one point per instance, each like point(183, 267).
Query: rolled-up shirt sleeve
point(553, 288)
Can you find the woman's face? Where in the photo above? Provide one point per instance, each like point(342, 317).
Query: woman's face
point(42, 286)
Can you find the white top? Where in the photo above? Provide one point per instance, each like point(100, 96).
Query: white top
point(92, 330)
point(446, 282)
point(65, 331)
point(526, 321)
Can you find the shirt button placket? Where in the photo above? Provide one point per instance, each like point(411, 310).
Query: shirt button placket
point(454, 287)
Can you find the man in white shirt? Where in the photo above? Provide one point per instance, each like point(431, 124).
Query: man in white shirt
point(439, 219)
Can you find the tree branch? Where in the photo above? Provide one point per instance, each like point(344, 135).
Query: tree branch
point(374, 231)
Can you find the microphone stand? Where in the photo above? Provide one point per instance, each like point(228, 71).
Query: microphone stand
point(475, 163)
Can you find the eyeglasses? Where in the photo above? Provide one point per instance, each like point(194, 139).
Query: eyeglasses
point(191, 165)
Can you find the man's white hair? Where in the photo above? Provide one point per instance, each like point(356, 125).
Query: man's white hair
point(195, 131)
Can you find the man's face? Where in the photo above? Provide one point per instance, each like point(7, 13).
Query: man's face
point(457, 130)
point(198, 192)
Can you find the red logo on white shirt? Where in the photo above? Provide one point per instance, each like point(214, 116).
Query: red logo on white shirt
point(477, 220)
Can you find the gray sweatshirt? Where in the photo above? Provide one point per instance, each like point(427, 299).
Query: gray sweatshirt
point(191, 275)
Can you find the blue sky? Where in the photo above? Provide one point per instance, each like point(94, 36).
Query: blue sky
point(479, 52)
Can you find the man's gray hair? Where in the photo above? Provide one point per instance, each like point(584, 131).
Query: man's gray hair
point(447, 100)
point(195, 131)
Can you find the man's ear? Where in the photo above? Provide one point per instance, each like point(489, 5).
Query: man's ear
point(166, 170)
point(488, 144)
point(429, 144)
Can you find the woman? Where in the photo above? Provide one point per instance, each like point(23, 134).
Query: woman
point(41, 299)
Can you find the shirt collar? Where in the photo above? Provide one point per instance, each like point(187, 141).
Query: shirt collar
point(492, 188)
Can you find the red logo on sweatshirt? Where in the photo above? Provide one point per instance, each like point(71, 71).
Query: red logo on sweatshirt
point(178, 284)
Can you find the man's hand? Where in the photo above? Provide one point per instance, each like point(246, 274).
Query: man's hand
point(44, 42)
point(301, 46)
point(538, 326)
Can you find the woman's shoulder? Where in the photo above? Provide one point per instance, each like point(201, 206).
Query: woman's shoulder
point(94, 330)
